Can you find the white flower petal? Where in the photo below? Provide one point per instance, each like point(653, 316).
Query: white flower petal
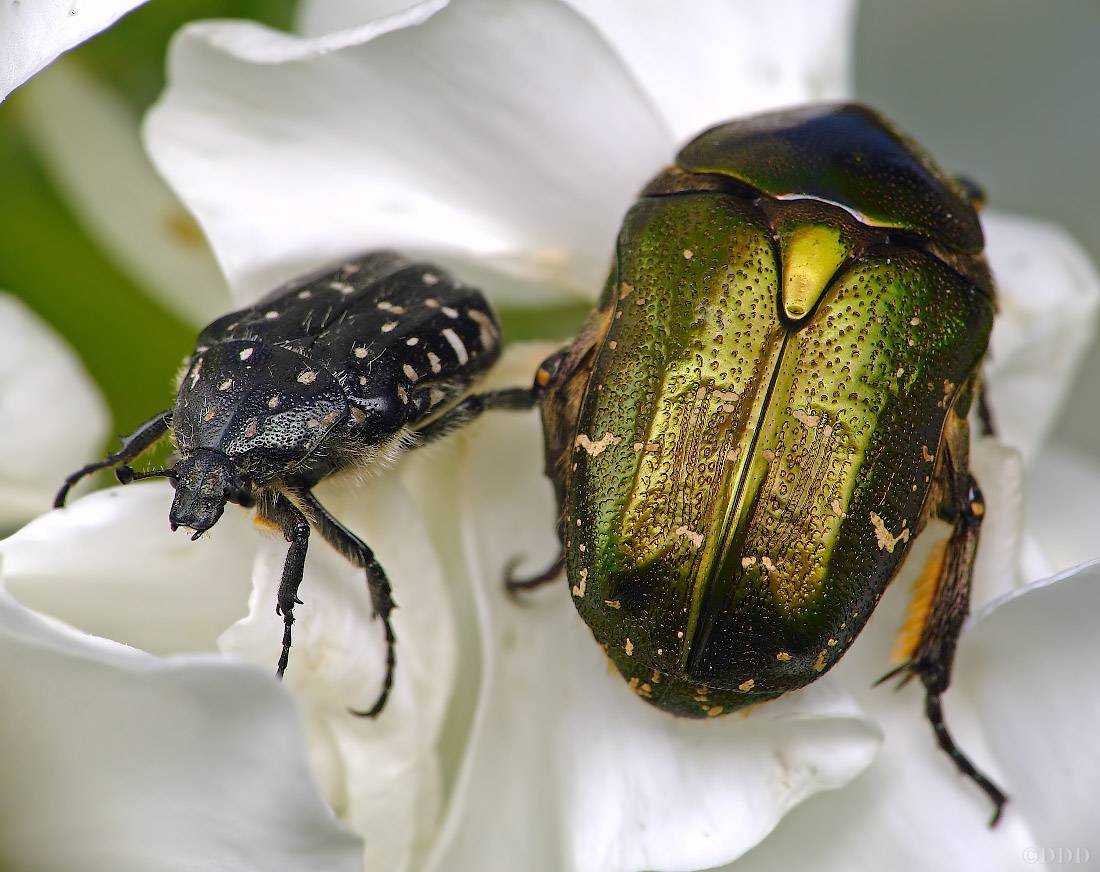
point(1048, 293)
point(1028, 662)
point(566, 767)
point(109, 564)
point(726, 58)
point(998, 470)
point(110, 183)
point(33, 33)
point(115, 760)
point(503, 139)
point(1063, 506)
point(318, 17)
point(53, 417)
point(381, 776)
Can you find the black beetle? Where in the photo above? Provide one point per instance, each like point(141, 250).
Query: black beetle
point(348, 366)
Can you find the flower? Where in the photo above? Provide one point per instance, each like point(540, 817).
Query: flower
point(53, 415)
point(33, 34)
point(504, 140)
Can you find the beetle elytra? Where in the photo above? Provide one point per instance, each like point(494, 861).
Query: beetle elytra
point(766, 407)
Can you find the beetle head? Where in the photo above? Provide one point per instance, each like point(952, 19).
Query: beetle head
point(204, 482)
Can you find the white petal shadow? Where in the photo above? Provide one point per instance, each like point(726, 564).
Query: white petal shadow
point(381, 776)
point(1027, 661)
point(1048, 294)
point(109, 182)
point(565, 766)
point(40, 441)
point(730, 57)
point(515, 169)
point(33, 34)
point(115, 760)
point(109, 565)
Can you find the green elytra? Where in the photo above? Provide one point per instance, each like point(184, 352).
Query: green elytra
point(767, 405)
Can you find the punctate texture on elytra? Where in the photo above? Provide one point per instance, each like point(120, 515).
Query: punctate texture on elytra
point(767, 406)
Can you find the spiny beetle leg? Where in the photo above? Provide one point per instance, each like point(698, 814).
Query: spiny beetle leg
point(295, 527)
point(144, 437)
point(934, 651)
point(514, 584)
point(359, 553)
point(512, 399)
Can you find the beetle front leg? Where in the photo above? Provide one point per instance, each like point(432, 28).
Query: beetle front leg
point(359, 553)
point(143, 438)
point(296, 529)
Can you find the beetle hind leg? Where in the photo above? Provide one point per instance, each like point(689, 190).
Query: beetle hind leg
point(941, 603)
point(381, 595)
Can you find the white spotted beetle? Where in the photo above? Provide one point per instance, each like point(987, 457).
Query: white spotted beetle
point(344, 367)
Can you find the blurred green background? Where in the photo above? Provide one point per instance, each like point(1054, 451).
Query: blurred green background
point(1003, 90)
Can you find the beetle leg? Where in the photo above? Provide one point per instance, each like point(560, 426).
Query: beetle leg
point(512, 399)
point(514, 584)
point(359, 553)
point(944, 607)
point(985, 413)
point(295, 527)
point(144, 437)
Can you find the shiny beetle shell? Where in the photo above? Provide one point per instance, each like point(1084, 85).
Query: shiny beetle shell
point(330, 367)
point(749, 432)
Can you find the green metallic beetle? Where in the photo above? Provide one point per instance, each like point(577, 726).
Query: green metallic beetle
point(766, 407)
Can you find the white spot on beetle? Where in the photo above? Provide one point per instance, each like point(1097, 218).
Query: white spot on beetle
point(196, 371)
point(246, 353)
point(487, 331)
point(412, 340)
point(252, 428)
point(390, 307)
point(410, 373)
point(582, 583)
point(431, 302)
point(304, 295)
point(688, 254)
point(430, 278)
point(768, 565)
point(401, 395)
point(308, 377)
point(226, 385)
point(746, 562)
point(342, 287)
point(363, 380)
point(388, 326)
point(885, 539)
point(449, 312)
point(273, 403)
point(629, 648)
point(358, 415)
point(456, 344)
point(271, 315)
point(210, 413)
point(434, 361)
point(360, 351)
point(595, 449)
point(748, 685)
point(696, 539)
point(805, 418)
